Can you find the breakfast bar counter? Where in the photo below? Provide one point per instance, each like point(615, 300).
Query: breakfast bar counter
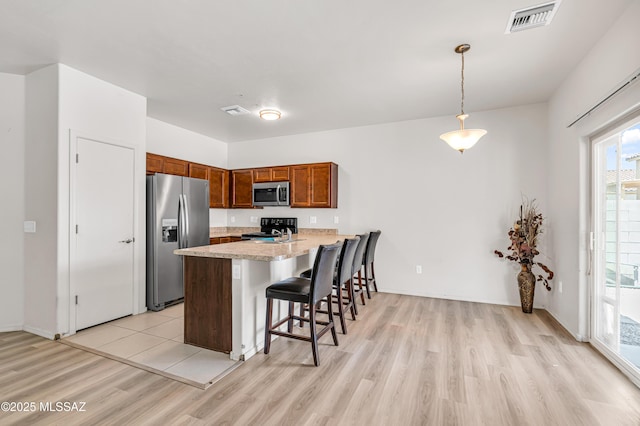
point(224, 289)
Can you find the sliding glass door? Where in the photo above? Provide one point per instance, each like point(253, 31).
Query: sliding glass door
point(616, 245)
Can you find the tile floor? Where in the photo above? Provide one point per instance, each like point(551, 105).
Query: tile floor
point(153, 341)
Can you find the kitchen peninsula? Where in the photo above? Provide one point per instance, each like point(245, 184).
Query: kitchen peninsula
point(224, 289)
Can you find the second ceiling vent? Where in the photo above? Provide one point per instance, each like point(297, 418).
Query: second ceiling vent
point(532, 17)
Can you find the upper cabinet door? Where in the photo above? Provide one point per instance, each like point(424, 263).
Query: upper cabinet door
point(198, 171)
point(155, 164)
point(300, 186)
point(324, 188)
point(262, 175)
point(242, 189)
point(173, 166)
point(280, 174)
point(218, 188)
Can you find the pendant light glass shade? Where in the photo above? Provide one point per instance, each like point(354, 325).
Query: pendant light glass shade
point(464, 138)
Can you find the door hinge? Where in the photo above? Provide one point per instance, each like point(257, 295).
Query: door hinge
point(76, 229)
point(77, 158)
point(76, 299)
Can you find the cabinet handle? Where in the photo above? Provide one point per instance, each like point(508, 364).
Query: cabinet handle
point(127, 241)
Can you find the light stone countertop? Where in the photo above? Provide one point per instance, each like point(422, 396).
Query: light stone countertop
point(254, 250)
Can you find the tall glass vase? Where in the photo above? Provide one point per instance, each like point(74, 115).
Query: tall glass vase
point(527, 286)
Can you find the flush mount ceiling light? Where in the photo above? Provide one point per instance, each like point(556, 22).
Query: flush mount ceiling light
point(270, 114)
point(464, 138)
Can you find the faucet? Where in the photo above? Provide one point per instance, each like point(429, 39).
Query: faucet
point(281, 234)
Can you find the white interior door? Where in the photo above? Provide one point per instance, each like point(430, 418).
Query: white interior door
point(103, 255)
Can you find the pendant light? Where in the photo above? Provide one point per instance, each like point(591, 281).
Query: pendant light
point(464, 138)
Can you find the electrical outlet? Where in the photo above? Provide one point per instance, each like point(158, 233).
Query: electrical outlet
point(254, 219)
point(418, 269)
point(560, 286)
point(313, 219)
point(29, 226)
point(233, 219)
point(336, 219)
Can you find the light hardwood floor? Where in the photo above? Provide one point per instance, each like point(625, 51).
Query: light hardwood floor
point(406, 361)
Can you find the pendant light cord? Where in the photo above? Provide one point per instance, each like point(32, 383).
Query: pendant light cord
point(462, 85)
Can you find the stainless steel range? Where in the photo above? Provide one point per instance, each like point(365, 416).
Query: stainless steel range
point(273, 226)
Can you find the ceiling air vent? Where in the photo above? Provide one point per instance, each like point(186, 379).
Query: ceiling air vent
point(532, 17)
point(235, 110)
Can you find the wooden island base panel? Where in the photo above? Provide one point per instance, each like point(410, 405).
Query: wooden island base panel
point(224, 289)
point(207, 303)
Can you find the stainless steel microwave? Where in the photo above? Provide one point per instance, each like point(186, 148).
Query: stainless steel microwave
point(271, 194)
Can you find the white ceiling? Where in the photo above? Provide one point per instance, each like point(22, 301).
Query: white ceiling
point(325, 64)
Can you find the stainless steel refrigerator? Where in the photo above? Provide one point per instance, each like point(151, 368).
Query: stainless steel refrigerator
point(177, 217)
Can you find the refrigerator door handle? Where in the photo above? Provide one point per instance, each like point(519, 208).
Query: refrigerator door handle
point(186, 221)
point(181, 220)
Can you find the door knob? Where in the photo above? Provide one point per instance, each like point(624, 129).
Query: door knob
point(127, 241)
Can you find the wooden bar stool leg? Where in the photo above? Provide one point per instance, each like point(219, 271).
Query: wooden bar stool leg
point(267, 329)
point(290, 321)
point(366, 280)
point(360, 285)
point(314, 336)
point(343, 322)
point(373, 276)
point(333, 327)
point(352, 302)
point(302, 307)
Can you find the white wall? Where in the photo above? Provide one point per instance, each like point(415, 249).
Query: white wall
point(12, 123)
point(59, 100)
point(97, 109)
point(172, 141)
point(41, 191)
point(435, 207)
point(612, 59)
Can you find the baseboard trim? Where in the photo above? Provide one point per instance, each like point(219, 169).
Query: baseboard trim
point(459, 299)
point(578, 337)
point(10, 327)
point(39, 332)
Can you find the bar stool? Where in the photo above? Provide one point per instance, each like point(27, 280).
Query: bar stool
point(358, 259)
point(367, 264)
point(342, 282)
point(309, 291)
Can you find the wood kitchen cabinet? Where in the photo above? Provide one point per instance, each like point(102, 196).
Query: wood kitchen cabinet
point(271, 174)
point(198, 171)
point(155, 164)
point(171, 166)
point(218, 188)
point(222, 240)
point(242, 189)
point(314, 185)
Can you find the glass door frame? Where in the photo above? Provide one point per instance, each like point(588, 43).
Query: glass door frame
point(597, 262)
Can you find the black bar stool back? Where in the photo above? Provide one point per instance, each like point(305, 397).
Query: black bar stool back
point(358, 261)
point(367, 263)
